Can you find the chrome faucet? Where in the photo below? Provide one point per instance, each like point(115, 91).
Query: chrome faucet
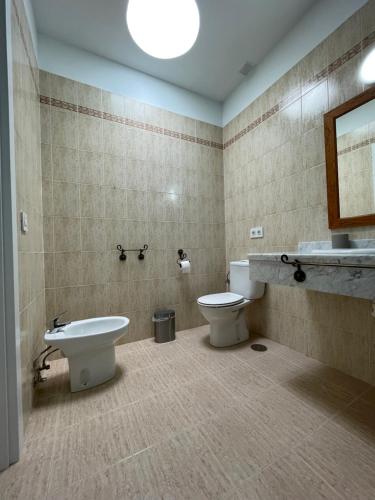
point(55, 324)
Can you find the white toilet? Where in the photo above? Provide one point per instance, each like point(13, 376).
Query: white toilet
point(226, 311)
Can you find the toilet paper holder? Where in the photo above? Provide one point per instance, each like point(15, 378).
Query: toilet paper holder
point(182, 256)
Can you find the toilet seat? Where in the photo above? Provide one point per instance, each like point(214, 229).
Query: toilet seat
point(220, 299)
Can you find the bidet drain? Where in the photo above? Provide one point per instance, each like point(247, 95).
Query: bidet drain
point(258, 347)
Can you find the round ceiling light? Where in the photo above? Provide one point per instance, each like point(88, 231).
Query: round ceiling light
point(163, 28)
point(368, 68)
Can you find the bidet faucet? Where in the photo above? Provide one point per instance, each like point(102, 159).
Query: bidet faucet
point(55, 322)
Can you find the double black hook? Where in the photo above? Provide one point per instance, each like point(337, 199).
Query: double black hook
point(123, 251)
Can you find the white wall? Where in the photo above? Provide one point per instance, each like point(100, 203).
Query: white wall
point(32, 26)
point(322, 19)
point(71, 62)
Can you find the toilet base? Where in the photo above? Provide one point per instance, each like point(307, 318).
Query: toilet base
point(91, 368)
point(228, 333)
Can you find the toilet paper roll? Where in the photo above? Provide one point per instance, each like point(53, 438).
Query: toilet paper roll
point(185, 266)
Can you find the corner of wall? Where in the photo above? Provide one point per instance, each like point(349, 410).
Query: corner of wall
point(32, 24)
point(324, 17)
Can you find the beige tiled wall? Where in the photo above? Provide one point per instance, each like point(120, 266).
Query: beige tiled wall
point(108, 183)
point(275, 177)
point(29, 197)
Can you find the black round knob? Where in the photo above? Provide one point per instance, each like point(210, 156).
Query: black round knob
point(141, 256)
point(123, 256)
point(299, 276)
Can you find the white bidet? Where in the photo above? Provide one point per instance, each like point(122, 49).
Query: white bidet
point(89, 346)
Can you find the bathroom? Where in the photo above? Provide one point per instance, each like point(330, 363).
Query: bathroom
point(226, 180)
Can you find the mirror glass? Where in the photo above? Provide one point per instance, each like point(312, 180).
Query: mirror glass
point(355, 135)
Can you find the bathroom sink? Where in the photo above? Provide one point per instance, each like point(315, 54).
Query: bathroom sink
point(344, 251)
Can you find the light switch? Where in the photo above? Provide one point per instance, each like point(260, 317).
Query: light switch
point(24, 222)
point(256, 232)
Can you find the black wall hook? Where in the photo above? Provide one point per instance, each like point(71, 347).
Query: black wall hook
point(141, 250)
point(299, 275)
point(122, 251)
point(182, 254)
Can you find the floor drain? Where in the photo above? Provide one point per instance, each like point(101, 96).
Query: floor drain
point(259, 347)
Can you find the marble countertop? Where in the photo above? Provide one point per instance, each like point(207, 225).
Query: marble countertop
point(362, 259)
point(344, 274)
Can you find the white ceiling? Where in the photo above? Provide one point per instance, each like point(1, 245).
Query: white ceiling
point(232, 32)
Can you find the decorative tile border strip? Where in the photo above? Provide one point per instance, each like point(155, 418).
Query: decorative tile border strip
point(286, 101)
point(306, 87)
point(44, 100)
point(359, 145)
point(368, 40)
point(127, 121)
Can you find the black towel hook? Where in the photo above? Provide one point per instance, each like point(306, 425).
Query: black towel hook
point(122, 251)
point(299, 275)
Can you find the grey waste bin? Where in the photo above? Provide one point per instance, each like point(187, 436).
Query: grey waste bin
point(164, 325)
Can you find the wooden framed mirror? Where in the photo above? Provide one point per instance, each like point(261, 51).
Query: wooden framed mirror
point(349, 133)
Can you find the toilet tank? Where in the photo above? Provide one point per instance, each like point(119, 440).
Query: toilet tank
point(241, 283)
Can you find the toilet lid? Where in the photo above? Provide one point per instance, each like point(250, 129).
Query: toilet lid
point(220, 299)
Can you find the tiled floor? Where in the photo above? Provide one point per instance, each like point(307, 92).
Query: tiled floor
point(184, 420)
